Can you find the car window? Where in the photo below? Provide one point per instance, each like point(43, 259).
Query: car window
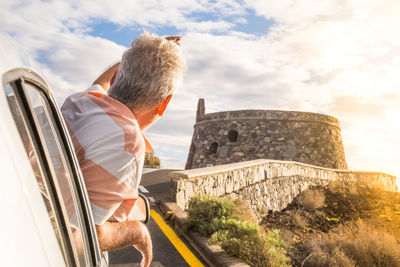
point(58, 165)
point(33, 159)
point(34, 117)
point(37, 169)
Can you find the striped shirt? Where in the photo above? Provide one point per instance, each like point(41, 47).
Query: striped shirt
point(110, 148)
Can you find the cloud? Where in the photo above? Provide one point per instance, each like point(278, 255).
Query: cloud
point(364, 108)
point(256, 71)
point(338, 57)
point(351, 54)
point(69, 60)
point(299, 12)
point(57, 33)
point(206, 26)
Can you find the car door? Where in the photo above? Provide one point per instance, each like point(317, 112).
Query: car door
point(55, 167)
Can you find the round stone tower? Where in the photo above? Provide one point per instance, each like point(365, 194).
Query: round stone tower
point(241, 135)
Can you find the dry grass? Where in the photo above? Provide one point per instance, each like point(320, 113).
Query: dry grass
point(342, 224)
point(372, 248)
point(339, 259)
point(353, 245)
point(243, 210)
point(311, 199)
point(335, 259)
point(300, 221)
point(319, 214)
point(336, 187)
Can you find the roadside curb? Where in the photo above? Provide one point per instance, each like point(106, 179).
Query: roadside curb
point(213, 255)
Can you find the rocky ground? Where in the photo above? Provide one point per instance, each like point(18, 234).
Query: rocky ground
point(341, 225)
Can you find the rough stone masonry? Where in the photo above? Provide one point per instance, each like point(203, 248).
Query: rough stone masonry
point(264, 184)
point(242, 135)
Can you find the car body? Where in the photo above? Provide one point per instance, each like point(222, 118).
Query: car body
point(47, 219)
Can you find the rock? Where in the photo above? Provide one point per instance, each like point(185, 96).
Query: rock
point(290, 152)
point(223, 151)
point(236, 149)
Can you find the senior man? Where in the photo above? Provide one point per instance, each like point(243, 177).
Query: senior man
point(106, 123)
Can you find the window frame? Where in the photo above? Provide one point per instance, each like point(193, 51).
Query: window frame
point(16, 78)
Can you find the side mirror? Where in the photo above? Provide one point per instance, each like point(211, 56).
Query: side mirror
point(141, 210)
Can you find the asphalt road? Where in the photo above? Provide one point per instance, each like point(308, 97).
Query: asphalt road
point(164, 252)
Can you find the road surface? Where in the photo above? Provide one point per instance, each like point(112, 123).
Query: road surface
point(165, 253)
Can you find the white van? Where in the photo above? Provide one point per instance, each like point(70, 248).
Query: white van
point(46, 216)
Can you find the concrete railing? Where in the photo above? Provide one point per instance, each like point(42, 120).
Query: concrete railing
point(265, 184)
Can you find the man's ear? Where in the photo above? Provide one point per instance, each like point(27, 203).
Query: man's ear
point(163, 106)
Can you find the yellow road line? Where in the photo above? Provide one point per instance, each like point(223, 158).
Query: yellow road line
point(189, 257)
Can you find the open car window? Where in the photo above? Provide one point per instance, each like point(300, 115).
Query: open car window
point(51, 156)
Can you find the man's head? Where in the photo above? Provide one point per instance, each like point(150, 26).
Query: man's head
point(149, 73)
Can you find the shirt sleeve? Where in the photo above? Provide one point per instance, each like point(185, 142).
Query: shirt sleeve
point(96, 88)
point(112, 181)
point(111, 151)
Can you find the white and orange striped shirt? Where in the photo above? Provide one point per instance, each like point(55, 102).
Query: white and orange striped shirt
point(110, 148)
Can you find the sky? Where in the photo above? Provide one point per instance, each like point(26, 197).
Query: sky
point(336, 57)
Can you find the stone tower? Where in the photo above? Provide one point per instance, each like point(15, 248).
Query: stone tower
point(233, 136)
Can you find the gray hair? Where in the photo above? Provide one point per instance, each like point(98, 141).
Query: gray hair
point(150, 70)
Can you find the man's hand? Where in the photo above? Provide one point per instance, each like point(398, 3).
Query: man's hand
point(146, 249)
point(175, 39)
point(116, 235)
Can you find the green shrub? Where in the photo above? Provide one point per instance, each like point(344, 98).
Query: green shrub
point(226, 220)
point(151, 160)
point(276, 248)
point(204, 209)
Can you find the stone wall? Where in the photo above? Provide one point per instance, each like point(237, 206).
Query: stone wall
point(265, 184)
point(235, 136)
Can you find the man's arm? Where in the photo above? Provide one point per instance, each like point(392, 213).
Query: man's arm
point(106, 79)
point(116, 235)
